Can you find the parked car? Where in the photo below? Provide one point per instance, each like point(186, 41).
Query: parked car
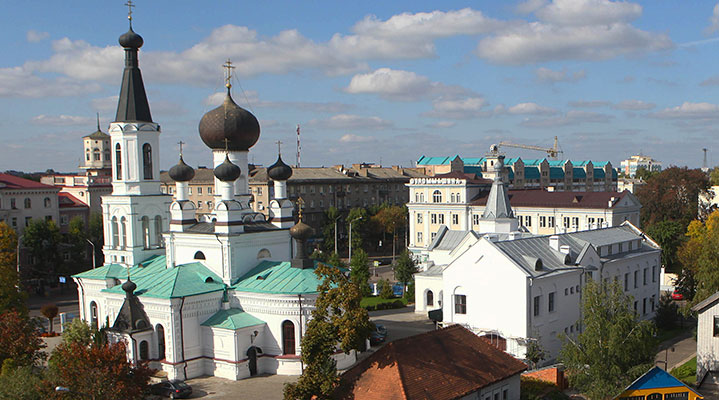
point(378, 335)
point(677, 296)
point(381, 329)
point(174, 389)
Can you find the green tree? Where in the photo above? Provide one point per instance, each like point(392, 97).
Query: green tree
point(335, 261)
point(667, 313)
point(43, 239)
point(76, 245)
point(700, 259)
point(359, 271)
point(408, 295)
point(535, 351)
point(405, 268)
point(714, 176)
point(95, 233)
point(385, 289)
point(670, 236)
point(77, 331)
point(672, 194)
point(12, 297)
point(644, 174)
point(614, 346)
point(337, 318)
point(359, 218)
point(22, 383)
point(332, 216)
point(392, 219)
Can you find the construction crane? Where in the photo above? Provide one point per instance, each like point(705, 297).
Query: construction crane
point(552, 152)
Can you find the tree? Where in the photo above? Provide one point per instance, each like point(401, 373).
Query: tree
point(49, 311)
point(644, 174)
point(672, 194)
point(19, 339)
point(405, 268)
point(392, 219)
point(667, 313)
point(337, 318)
point(714, 176)
point(77, 331)
point(670, 236)
point(76, 244)
point(95, 233)
point(99, 371)
point(359, 271)
point(535, 352)
point(43, 239)
point(333, 215)
point(385, 289)
point(358, 217)
point(11, 296)
point(21, 383)
point(614, 346)
point(700, 258)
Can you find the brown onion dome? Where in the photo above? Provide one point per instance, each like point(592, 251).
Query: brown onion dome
point(181, 172)
point(301, 231)
point(232, 122)
point(279, 171)
point(227, 171)
point(131, 40)
point(129, 286)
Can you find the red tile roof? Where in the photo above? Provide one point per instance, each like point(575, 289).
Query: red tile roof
point(543, 198)
point(14, 182)
point(470, 177)
point(443, 364)
point(67, 200)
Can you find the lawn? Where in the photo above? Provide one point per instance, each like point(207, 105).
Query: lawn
point(664, 335)
point(373, 301)
point(686, 372)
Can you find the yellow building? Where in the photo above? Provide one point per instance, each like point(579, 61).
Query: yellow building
point(657, 384)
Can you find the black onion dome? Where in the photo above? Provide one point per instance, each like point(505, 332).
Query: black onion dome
point(227, 171)
point(129, 286)
point(131, 40)
point(182, 172)
point(301, 231)
point(232, 122)
point(279, 171)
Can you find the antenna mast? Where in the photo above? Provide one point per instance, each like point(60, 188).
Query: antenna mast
point(705, 165)
point(298, 145)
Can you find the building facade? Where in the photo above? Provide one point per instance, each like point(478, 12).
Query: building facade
point(22, 200)
point(630, 166)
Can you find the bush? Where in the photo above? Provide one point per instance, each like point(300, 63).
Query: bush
point(50, 312)
point(391, 305)
point(667, 313)
point(409, 293)
point(385, 289)
point(534, 389)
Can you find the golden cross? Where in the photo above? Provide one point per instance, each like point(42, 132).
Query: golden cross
point(129, 5)
point(228, 74)
point(180, 143)
point(279, 145)
point(300, 206)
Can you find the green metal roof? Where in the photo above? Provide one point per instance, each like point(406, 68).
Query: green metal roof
point(473, 161)
point(599, 173)
point(511, 161)
point(232, 319)
point(116, 271)
point(536, 161)
point(531, 173)
point(168, 283)
point(434, 160)
point(557, 163)
point(579, 173)
point(278, 277)
point(556, 173)
point(473, 169)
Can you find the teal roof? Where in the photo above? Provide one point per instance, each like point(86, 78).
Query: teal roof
point(581, 163)
point(599, 173)
point(510, 173)
point(434, 160)
point(278, 277)
point(614, 174)
point(600, 163)
point(579, 173)
point(511, 161)
point(473, 169)
point(533, 162)
point(116, 271)
point(657, 378)
point(557, 163)
point(531, 173)
point(473, 161)
point(556, 173)
point(168, 283)
point(232, 319)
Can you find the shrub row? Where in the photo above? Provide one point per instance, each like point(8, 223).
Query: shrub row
point(386, 306)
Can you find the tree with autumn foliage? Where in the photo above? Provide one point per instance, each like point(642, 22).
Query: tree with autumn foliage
point(11, 296)
point(391, 219)
point(337, 320)
point(19, 340)
point(672, 194)
point(700, 258)
point(100, 371)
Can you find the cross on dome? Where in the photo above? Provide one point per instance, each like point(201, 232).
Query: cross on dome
point(129, 5)
point(279, 147)
point(300, 206)
point(180, 143)
point(228, 73)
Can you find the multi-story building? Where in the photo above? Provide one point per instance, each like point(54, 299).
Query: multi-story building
point(562, 175)
point(22, 200)
point(200, 190)
point(630, 166)
point(457, 200)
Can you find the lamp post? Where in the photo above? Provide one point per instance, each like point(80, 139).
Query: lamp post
point(93, 252)
point(336, 219)
point(356, 219)
point(17, 254)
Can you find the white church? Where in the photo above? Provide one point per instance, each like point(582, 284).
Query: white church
point(227, 295)
point(514, 287)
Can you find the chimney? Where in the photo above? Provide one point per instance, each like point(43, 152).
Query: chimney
point(554, 242)
point(564, 249)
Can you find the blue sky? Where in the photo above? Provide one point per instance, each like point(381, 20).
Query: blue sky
point(372, 81)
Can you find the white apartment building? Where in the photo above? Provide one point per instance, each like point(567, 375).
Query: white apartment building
point(630, 166)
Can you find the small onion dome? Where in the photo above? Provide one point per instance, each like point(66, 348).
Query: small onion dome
point(232, 122)
point(182, 172)
point(301, 231)
point(129, 286)
point(131, 40)
point(227, 171)
point(279, 171)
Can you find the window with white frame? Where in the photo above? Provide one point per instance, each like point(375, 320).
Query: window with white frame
point(455, 219)
point(542, 221)
point(550, 222)
point(475, 219)
point(419, 218)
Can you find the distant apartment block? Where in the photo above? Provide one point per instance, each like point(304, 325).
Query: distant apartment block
point(630, 166)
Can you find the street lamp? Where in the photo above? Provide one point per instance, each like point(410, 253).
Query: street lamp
point(356, 219)
point(17, 253)
point(336, 219)
point(93, 252)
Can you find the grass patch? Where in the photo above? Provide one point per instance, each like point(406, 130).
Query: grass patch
point(686, 372)
point(664, 335)
point(373, 303)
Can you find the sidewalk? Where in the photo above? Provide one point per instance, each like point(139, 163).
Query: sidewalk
point(677, 351)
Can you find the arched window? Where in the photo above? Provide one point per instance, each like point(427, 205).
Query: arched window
point(146, 232)
point(147, 160)
point(48, 203)
point(144, 350)
point(199, 256)
point(288, 337)
point(123, 232)
point(158, 231)
point(421, 197)
point(160, 342)
point(115, 233)
point(96, 154)
point(452, 196)
point(430, 298)
point(93, 314)
point(107, 155)
point(28, 203)
point(437, 196)
point(264, 253)
point(118, 161)
point(416, 197)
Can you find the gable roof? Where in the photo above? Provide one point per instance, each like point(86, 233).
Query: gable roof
point(279, 277)
point(706, 303)
point(8, 181)
point(232, 319)
point(441, 364)
point(66, 200)
point(117, 271)
point(656, 378)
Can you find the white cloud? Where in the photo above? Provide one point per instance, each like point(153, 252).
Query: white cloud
point(549, 75)
point(573, 117)
point(458, 108)
point(442, 124)
point(62, 120)
point(711, 81)
point(34, 36)
point(350, 138)
point(634, 105)
point(20, 82)
point(588, 103)
point(400, 85)
point(713, 21)
point(588, 12)
point(530, 109)
point(250, 99)
point(689, 111)
point(108, 103)
point(350, 121)
point(529, 6)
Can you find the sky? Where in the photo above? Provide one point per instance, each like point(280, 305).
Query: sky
point(372, 81)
